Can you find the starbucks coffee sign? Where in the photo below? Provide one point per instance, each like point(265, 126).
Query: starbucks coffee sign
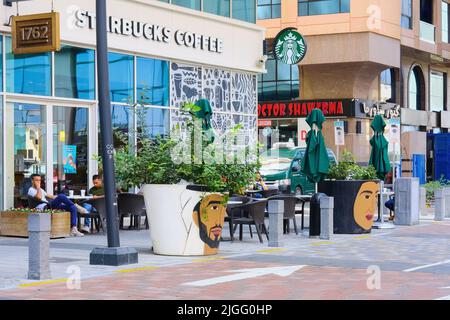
point(289, 46)
point(152, 32)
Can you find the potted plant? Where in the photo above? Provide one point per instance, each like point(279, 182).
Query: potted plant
point(185, 191)
point(14, 222)
point(355, 189)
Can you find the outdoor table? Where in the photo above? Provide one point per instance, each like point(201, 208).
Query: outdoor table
point(78, 197)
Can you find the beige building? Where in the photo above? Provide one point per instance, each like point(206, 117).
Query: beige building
point(377, 55)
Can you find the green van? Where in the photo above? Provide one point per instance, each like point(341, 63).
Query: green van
point(281, 167)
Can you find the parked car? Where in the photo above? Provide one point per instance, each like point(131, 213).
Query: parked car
point(281, 167)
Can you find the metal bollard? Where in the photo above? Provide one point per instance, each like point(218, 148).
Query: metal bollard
point(447, 202)
point(439, 205)
point(276, 217)
point(39, 227)
point(423, 200)
point(326, 217)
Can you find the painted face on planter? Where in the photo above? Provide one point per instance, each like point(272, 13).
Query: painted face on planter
point(209, 215)
point(365, 205)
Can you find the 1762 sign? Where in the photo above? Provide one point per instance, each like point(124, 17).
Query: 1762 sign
point(36, 33)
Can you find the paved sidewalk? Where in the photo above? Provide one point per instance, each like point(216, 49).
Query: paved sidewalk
point(414, 263)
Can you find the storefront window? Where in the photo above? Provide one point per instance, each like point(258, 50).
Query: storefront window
point(1, 63)
point(219, 7)
point(75, 73)
point(437, 91)
point(406, 19)
point(28, 73)
point(269, 9)
point(1, 154)
point(153, 81)
point(121, 73)
point(70, 149)
point(26, 122)
point(153, 122)
point(244, 10)
point(281, 82)
point(317, 7)
point(192, 4)
point(122, 122)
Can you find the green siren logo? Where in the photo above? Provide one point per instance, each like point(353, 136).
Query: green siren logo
point(290, 46)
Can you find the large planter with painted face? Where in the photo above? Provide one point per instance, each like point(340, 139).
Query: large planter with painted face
point(355, 204)
point(184, 220)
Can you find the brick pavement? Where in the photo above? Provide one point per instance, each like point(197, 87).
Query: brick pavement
point(335, 269)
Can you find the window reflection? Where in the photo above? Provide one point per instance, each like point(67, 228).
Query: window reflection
point(153, 81)
point(192, 4)
point(75, 73)
point(28, 73)
point(219, 7)
point(153, 122)
point(121, 73)
point(70, 149)
point(244, 10)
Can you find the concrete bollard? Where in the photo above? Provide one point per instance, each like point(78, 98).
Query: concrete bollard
point(447, 201)
point(326, 217)
point(439, 205)
point(423, 200)
point(39, 227)
point(276, 218)
point(406, 201)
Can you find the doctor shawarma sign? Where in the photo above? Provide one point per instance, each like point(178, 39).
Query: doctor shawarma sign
point(289, 46)
point(153, 32)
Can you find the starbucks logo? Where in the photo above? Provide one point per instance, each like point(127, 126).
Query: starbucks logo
point(290, 46)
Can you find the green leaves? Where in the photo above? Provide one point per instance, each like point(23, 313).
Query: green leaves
point(347, 169)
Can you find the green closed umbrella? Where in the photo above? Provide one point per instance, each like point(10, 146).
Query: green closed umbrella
point(379, 154)
point(316, 163)
point(205, 113)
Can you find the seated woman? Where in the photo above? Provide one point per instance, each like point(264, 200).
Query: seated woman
point(259, 185)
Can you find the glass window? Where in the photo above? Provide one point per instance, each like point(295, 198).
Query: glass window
point(437, 91)
point(413, 91)
point(153, 122)
point(244, 10)
point(387, 85)
point(269, 9)
point(122, 122)
point(121, 73)
point(445, 37)
point(317, 7)
point(75, 73)
point(1, 155)
point(219, 7)
point(153, 81)
point(28, 73)
point(27, 143)
point(70, 149)
point(192, 4)
point(406, 19)
point(281, 82)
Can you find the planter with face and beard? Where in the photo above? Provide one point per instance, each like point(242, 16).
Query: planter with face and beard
point(208, 216)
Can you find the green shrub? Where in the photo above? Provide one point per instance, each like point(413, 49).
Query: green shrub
point(348, 169)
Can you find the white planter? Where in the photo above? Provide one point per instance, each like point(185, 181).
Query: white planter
point(173, 214)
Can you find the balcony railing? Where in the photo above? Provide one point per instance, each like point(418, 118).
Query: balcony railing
point(427, 32)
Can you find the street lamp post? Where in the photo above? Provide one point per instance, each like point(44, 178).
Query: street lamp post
point(113, 254)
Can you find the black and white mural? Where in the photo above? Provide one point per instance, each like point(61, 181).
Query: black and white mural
point(216, 88)
point(185, 84)
point(232, 96)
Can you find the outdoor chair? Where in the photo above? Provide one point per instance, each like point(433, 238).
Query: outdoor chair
point(133, 206)
point(235, 211)
point(100, 217)
point(255, 211)
point(289, 210)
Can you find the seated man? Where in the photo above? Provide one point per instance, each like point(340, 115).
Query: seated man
point(60, 202)
point(97, 191)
